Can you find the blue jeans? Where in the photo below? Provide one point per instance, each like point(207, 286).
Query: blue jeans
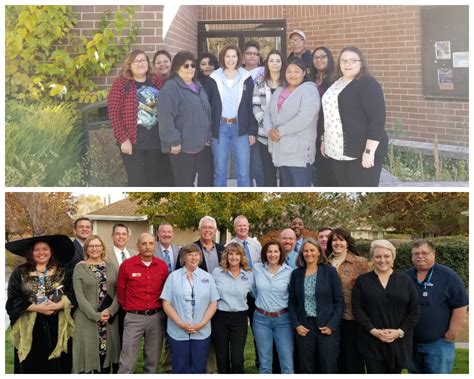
point(266, 329)
point(256, 167)
point(296, 176)
point(432, 358)
point(229, 140)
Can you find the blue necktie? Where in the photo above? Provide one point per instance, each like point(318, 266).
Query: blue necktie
point(247, 253)
point(123, 256)
point(297, 246)
point(167, 259)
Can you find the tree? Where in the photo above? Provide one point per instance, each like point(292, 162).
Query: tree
point(421, 214)
point(86, 204)
point(36, 213)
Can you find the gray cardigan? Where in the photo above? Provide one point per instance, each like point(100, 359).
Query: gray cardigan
point(184, 117)
point(296, 123)
point(85, 350)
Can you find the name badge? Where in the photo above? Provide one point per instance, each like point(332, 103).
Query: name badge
point(205, 280)
point(243, 277)
point(136, 274)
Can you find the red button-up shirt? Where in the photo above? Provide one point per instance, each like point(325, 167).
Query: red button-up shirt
point(139, 286)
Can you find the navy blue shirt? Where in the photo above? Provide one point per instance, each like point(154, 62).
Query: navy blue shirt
point(440, 293)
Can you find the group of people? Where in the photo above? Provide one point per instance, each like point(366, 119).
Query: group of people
point(305, 120)
point(312, 303)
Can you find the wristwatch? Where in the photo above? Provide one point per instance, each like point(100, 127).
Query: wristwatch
point(401, 333)
point(368, 151)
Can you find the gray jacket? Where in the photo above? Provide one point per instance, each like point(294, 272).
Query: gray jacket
point(296, 123)
point(184, 117)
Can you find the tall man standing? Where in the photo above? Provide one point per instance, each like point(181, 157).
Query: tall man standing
point(443, 305)
point(165, 249)
point(298, 48)
point(140, 282)
point(252, 247)
point(82, 230)
point(297, 225)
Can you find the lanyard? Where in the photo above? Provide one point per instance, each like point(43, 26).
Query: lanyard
point(427, 283)
point(41, 279)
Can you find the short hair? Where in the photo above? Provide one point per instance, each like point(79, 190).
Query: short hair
point(161, 52)
point(383, 244)
point(207, 218)
point(234, 247)
point(282, 70)
point(322, 259)
point(164, 224)
point(344, 234)
point(328, 76)
point(251, 44)
point(423, 241)
point(88, 241)
point(180, 59)
point(224, 51)
point(120, 225)
point(212, 61)
point(364, 70)
point(323, 228)
point(294, 218)
point(126, 71)
point(240, 217)
point(187, 249)
point(82, 219)
point(263, 254)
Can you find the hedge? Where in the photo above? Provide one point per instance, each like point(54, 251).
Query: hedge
point(451, 251)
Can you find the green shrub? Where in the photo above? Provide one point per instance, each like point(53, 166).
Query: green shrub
point(43, 145)
point(451, 251)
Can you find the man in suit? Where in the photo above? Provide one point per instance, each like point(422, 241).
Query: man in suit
point(166, 250)
point(297, 225)
point(120, 238)
point(168, 253)
point(82, 230)
point(118, 254)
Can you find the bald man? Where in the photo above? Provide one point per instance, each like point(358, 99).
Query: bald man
point(140, 282)
point(288, 242)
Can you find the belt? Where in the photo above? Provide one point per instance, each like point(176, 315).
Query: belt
point(272, 314)
point(228, 120)
point(148, 312)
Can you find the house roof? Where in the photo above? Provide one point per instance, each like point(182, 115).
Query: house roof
point(126, 210)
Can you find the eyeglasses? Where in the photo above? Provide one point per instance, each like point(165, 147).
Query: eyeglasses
point(252, 53)
point(187, 65)
point(320, 57)
point(296, 40)
point(350, 61)
point(421, 254)
point(94, 246)
point(140, 61)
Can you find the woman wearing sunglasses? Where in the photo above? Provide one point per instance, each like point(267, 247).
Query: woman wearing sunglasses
point(189, 300)
point(185, 123)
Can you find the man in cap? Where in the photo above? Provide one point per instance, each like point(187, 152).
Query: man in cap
point(298, 48)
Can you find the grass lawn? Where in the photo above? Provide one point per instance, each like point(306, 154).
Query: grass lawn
point(461, 364)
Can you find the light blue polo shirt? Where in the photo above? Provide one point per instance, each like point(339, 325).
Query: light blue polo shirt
point(178, 290)
point(271, 290)
point(232, 291)
point(291, 259)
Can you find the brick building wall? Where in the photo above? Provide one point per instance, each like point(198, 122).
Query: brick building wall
point(390, 37)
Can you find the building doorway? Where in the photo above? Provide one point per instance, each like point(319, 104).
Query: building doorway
point(214, 35)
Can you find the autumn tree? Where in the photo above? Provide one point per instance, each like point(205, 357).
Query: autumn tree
point(86, 204)
point(421, 214)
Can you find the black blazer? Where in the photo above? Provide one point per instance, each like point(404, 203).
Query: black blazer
point(329, 297)
point(362, 111)
point(203, 265)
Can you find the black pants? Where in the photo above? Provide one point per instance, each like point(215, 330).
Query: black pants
point(350, 359)
point(380, 367)
point(323, 172)
point(269, 170)
point(317, 348)
point(185, 166)
point(352, 174)
point(229, 332)
point(148, 168)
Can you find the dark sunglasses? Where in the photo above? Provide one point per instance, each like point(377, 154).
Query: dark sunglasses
point(187, 65)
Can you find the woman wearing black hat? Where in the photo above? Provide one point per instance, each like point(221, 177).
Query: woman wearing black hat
point(39, 305)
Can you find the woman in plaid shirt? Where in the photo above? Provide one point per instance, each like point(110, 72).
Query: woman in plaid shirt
point(132, 107)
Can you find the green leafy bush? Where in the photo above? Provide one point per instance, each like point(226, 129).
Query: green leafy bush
point(451, 251)
point(44, 58)
point(44, 144)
